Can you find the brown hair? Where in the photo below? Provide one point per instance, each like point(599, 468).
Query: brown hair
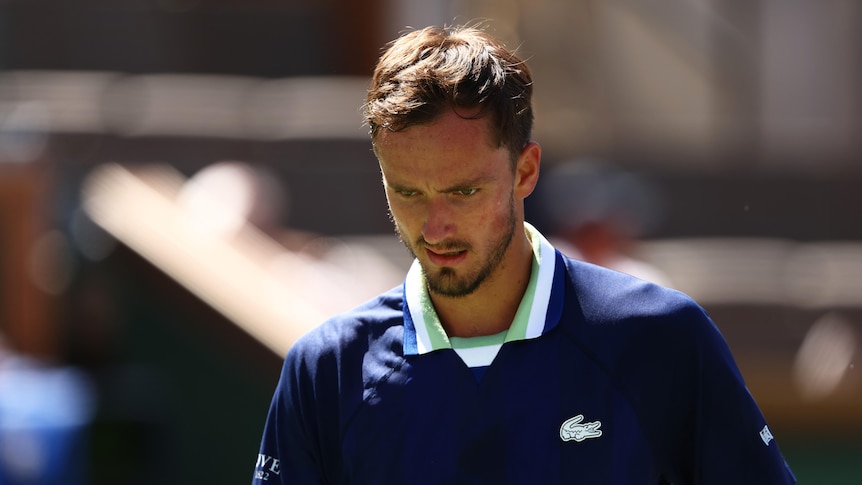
point(427, 71)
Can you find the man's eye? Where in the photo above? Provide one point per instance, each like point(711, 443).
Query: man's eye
point(467, 191)
point(406, 192)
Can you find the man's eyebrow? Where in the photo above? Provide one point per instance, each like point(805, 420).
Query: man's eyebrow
point(467, 184)
point(395, 185)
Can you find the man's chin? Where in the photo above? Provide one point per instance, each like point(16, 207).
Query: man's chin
point(446, 283)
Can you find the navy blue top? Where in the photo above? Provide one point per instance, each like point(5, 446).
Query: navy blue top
point(629, 383)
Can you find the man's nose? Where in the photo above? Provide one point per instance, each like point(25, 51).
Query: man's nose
point(439, 221)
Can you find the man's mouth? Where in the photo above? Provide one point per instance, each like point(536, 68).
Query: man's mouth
point(443, 257)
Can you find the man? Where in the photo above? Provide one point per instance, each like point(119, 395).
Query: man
point(499, 360)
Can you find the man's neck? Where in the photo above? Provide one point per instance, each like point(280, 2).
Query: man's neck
point(492, 307)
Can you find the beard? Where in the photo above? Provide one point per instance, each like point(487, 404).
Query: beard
point(449, 282)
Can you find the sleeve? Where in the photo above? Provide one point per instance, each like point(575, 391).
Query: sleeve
point(290, 450)
point(732, 440)
point(700, 421)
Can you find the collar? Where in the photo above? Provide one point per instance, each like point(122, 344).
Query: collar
point(537, 313)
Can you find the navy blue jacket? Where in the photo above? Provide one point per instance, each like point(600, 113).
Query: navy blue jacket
point(630, 383)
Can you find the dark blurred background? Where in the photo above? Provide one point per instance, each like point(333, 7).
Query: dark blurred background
point(186, 186)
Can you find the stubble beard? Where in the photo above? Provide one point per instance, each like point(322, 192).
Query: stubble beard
point(448, 281)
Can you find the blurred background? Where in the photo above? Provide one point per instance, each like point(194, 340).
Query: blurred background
point(186, 186)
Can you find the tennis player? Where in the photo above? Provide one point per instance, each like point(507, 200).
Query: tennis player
point(499, 360)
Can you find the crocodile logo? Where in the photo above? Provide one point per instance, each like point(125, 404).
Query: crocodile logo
point(574, 429)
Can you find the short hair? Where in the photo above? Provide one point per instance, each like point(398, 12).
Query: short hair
point(425, 72)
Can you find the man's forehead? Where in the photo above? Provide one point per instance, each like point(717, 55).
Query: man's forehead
point(447, 125)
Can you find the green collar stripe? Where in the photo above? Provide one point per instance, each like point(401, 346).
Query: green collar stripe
point(482, 341)
point(518, 329)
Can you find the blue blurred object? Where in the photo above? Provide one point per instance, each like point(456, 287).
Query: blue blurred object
point(45, 412)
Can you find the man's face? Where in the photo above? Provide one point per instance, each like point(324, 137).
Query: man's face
point(451, 196)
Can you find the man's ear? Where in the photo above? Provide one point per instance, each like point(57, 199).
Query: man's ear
point(527, 170)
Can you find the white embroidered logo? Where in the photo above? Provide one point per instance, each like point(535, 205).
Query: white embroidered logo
point(575, 429)
point(766, 435)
